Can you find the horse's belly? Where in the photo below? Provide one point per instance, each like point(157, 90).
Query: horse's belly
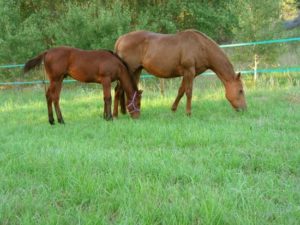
point(161, 72)
point(83, 76)
point(161, 68)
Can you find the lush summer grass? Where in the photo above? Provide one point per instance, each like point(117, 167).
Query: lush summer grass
point(216, 167)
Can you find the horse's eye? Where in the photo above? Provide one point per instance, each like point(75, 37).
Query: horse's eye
point(241, 92)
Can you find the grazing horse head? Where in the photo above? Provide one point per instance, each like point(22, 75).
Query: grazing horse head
point(235, 93)
point(134, 104)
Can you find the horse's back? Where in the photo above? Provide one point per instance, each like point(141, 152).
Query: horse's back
point(95, 65)
point(82, 65)
point(164, 54)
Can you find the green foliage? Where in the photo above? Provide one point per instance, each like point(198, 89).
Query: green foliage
point(31, 26)
point(172, 16)
point(92, 28)
point(259, 20)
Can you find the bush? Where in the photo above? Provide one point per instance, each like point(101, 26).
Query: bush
point(31, 26)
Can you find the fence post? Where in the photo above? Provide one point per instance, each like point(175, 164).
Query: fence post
point(255, 66)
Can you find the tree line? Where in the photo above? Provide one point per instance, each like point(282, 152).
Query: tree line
point(31, 26)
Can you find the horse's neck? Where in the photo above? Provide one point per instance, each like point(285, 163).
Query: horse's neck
point(224, 70)
point(127, 83)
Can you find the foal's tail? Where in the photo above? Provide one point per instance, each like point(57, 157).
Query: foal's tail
point(36, 61)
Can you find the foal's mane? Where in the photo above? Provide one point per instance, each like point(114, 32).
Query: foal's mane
point(126, 65)
point(116, 55)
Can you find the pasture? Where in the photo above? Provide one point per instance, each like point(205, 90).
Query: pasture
point(216, 167)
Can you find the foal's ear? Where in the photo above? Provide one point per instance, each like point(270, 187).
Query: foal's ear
point(238, 76)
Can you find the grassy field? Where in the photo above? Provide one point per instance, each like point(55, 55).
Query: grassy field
point(216, 167)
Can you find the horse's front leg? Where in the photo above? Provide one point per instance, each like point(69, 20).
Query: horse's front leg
point(179, 96)
point(136, 76)
point(107, 99)
point(56, 94)
point(188, 79)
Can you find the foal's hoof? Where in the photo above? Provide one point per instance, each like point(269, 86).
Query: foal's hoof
point(123, 110)
point(115, 115)
point(108, 118)
point(174, 107)
point(188, 114)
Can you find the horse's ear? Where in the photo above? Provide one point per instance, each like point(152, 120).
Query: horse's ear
point(140, 92)
point(238, 77)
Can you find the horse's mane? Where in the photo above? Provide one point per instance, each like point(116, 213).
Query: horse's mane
point(201, 34)
point(125, 64)
point(225, 58)
point(116, 55)
point(122, 60)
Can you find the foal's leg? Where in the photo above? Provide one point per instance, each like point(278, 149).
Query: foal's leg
point(52, 95)
point(49, 105)
point(118, 89)
point(107, 99)
point(56, 94)
point(122, 101)
point(179, 96)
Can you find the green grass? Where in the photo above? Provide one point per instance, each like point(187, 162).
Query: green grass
point(216, 167)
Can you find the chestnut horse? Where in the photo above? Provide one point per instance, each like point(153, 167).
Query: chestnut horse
point(101, 66)
point(187, 53)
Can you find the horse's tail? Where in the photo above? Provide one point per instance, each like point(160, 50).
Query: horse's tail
point(32, 63)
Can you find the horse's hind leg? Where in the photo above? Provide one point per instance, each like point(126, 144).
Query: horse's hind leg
point(179, 96)
point(49, 106)
point(52, 95)
point(56, 95)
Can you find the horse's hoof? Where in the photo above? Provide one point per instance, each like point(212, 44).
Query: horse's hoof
point(61, 121)
point(173, 109)
point(51, 122)
point(108, 118)
point(189, 114)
